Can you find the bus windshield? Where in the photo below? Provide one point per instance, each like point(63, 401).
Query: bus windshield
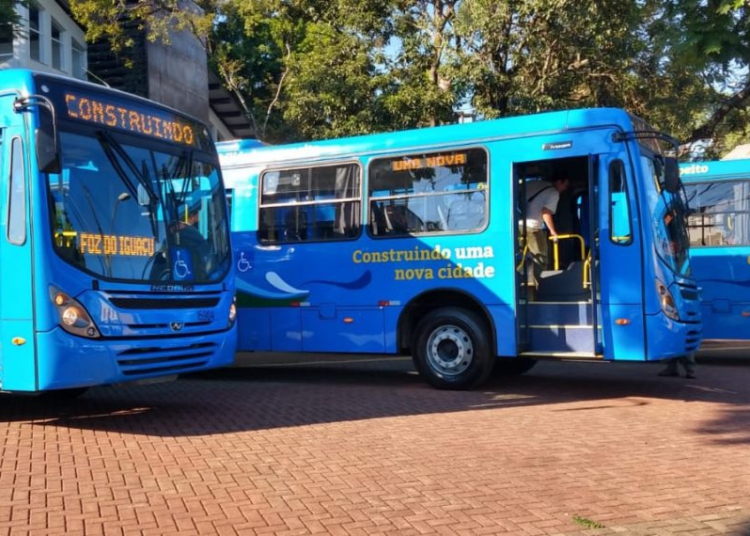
point(137, 213)
point(668, 218)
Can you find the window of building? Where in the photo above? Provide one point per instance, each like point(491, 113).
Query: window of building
point(79, 60)
point(35, 33)
point(6, 41)
point(57, 46)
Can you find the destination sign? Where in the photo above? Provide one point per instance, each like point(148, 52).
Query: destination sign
point(443, 160)
point(139, 121)
point(100, 244)
point(107, 108)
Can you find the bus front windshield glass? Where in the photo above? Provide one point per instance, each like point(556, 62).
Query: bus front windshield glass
point(135, 213)
point(668, 215)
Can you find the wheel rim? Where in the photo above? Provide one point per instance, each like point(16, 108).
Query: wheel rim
point(450, 350)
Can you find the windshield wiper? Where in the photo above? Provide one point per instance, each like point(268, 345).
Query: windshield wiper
point(176, 198)
point(113, 150)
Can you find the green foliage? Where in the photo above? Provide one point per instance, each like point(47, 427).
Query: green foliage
point(9, 17)
point(588, 523)
point(307, 69)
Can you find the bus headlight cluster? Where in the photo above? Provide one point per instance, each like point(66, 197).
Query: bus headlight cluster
point(73, 317)
point(666, 300)
point(233, 312)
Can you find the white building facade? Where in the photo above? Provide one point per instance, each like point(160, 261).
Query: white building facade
point(47, 39)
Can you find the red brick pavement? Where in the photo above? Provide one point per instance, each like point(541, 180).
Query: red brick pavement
point(370, 449)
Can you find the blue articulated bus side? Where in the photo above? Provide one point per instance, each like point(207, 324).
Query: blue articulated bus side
point(718, 194)
point(409, 243)
point(116, 260)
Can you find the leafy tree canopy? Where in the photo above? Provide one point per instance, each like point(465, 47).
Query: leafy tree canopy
point(307, 69)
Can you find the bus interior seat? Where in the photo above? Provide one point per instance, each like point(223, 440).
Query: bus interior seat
point(379, 223)
point(295, 225)
point(563, 285)
point(396, 219)
point(466, 213)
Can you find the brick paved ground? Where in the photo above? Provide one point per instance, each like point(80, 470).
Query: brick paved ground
point(369, 449)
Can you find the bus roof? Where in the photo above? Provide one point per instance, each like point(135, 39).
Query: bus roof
point(714, 169)
point(434, 137)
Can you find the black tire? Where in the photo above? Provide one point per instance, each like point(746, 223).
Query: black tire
point(451, 349)
point(513, 366)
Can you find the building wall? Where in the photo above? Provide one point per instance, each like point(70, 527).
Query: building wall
point(50, 42)
point(174, 74)
point(178, 74)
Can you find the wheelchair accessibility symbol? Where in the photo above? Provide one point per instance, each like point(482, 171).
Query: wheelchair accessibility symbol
point(182, 267)
point(243, 265)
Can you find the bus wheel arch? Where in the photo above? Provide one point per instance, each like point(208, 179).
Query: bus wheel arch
point(451, 348)
point(422, 304)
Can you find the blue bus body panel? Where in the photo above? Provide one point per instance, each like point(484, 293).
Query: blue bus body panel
point(18, 349)
point(80, 363)
point(349, 295)
point(722, 271)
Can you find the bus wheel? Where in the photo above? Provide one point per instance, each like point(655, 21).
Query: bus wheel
point(451, 349)
point(514, 366)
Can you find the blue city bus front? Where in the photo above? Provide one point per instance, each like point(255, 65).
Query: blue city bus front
point(116, 260)
point(718, 194)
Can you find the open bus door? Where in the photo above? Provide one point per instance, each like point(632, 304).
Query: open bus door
point(17, 342)
point(559, 314)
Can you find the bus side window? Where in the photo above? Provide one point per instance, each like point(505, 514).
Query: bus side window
point(319, 203)
point(16, 195)
point(429, 193)
point(619, 206)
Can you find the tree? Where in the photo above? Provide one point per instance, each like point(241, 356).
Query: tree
point(9, 17)
point(713, 42)
point(307, 69)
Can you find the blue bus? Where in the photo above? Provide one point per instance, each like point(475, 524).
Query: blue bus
point(115, 259)
point(409, 243)
point(719, 227)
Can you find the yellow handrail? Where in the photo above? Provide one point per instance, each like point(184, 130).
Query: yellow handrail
point(556, 239)
point(556, 255)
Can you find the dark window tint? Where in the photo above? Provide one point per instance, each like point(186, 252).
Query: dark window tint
point(310, 204)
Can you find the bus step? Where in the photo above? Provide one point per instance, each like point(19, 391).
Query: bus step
point(562, 338)
point(554, 313)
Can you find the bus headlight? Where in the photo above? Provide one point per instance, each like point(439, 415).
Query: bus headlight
point(73, 317)
point(666, 300)
point(233, 312)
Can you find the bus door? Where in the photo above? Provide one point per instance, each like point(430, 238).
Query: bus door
point(557, 286)
point(620, 264)
point(17, 343)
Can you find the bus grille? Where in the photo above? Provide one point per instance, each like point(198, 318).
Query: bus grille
point(171, 303)
point(157, 360)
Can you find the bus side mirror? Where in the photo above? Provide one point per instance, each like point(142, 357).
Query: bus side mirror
point(672, 182)
point(47, 150)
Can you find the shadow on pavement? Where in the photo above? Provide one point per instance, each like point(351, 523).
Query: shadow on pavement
point(264, 397)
